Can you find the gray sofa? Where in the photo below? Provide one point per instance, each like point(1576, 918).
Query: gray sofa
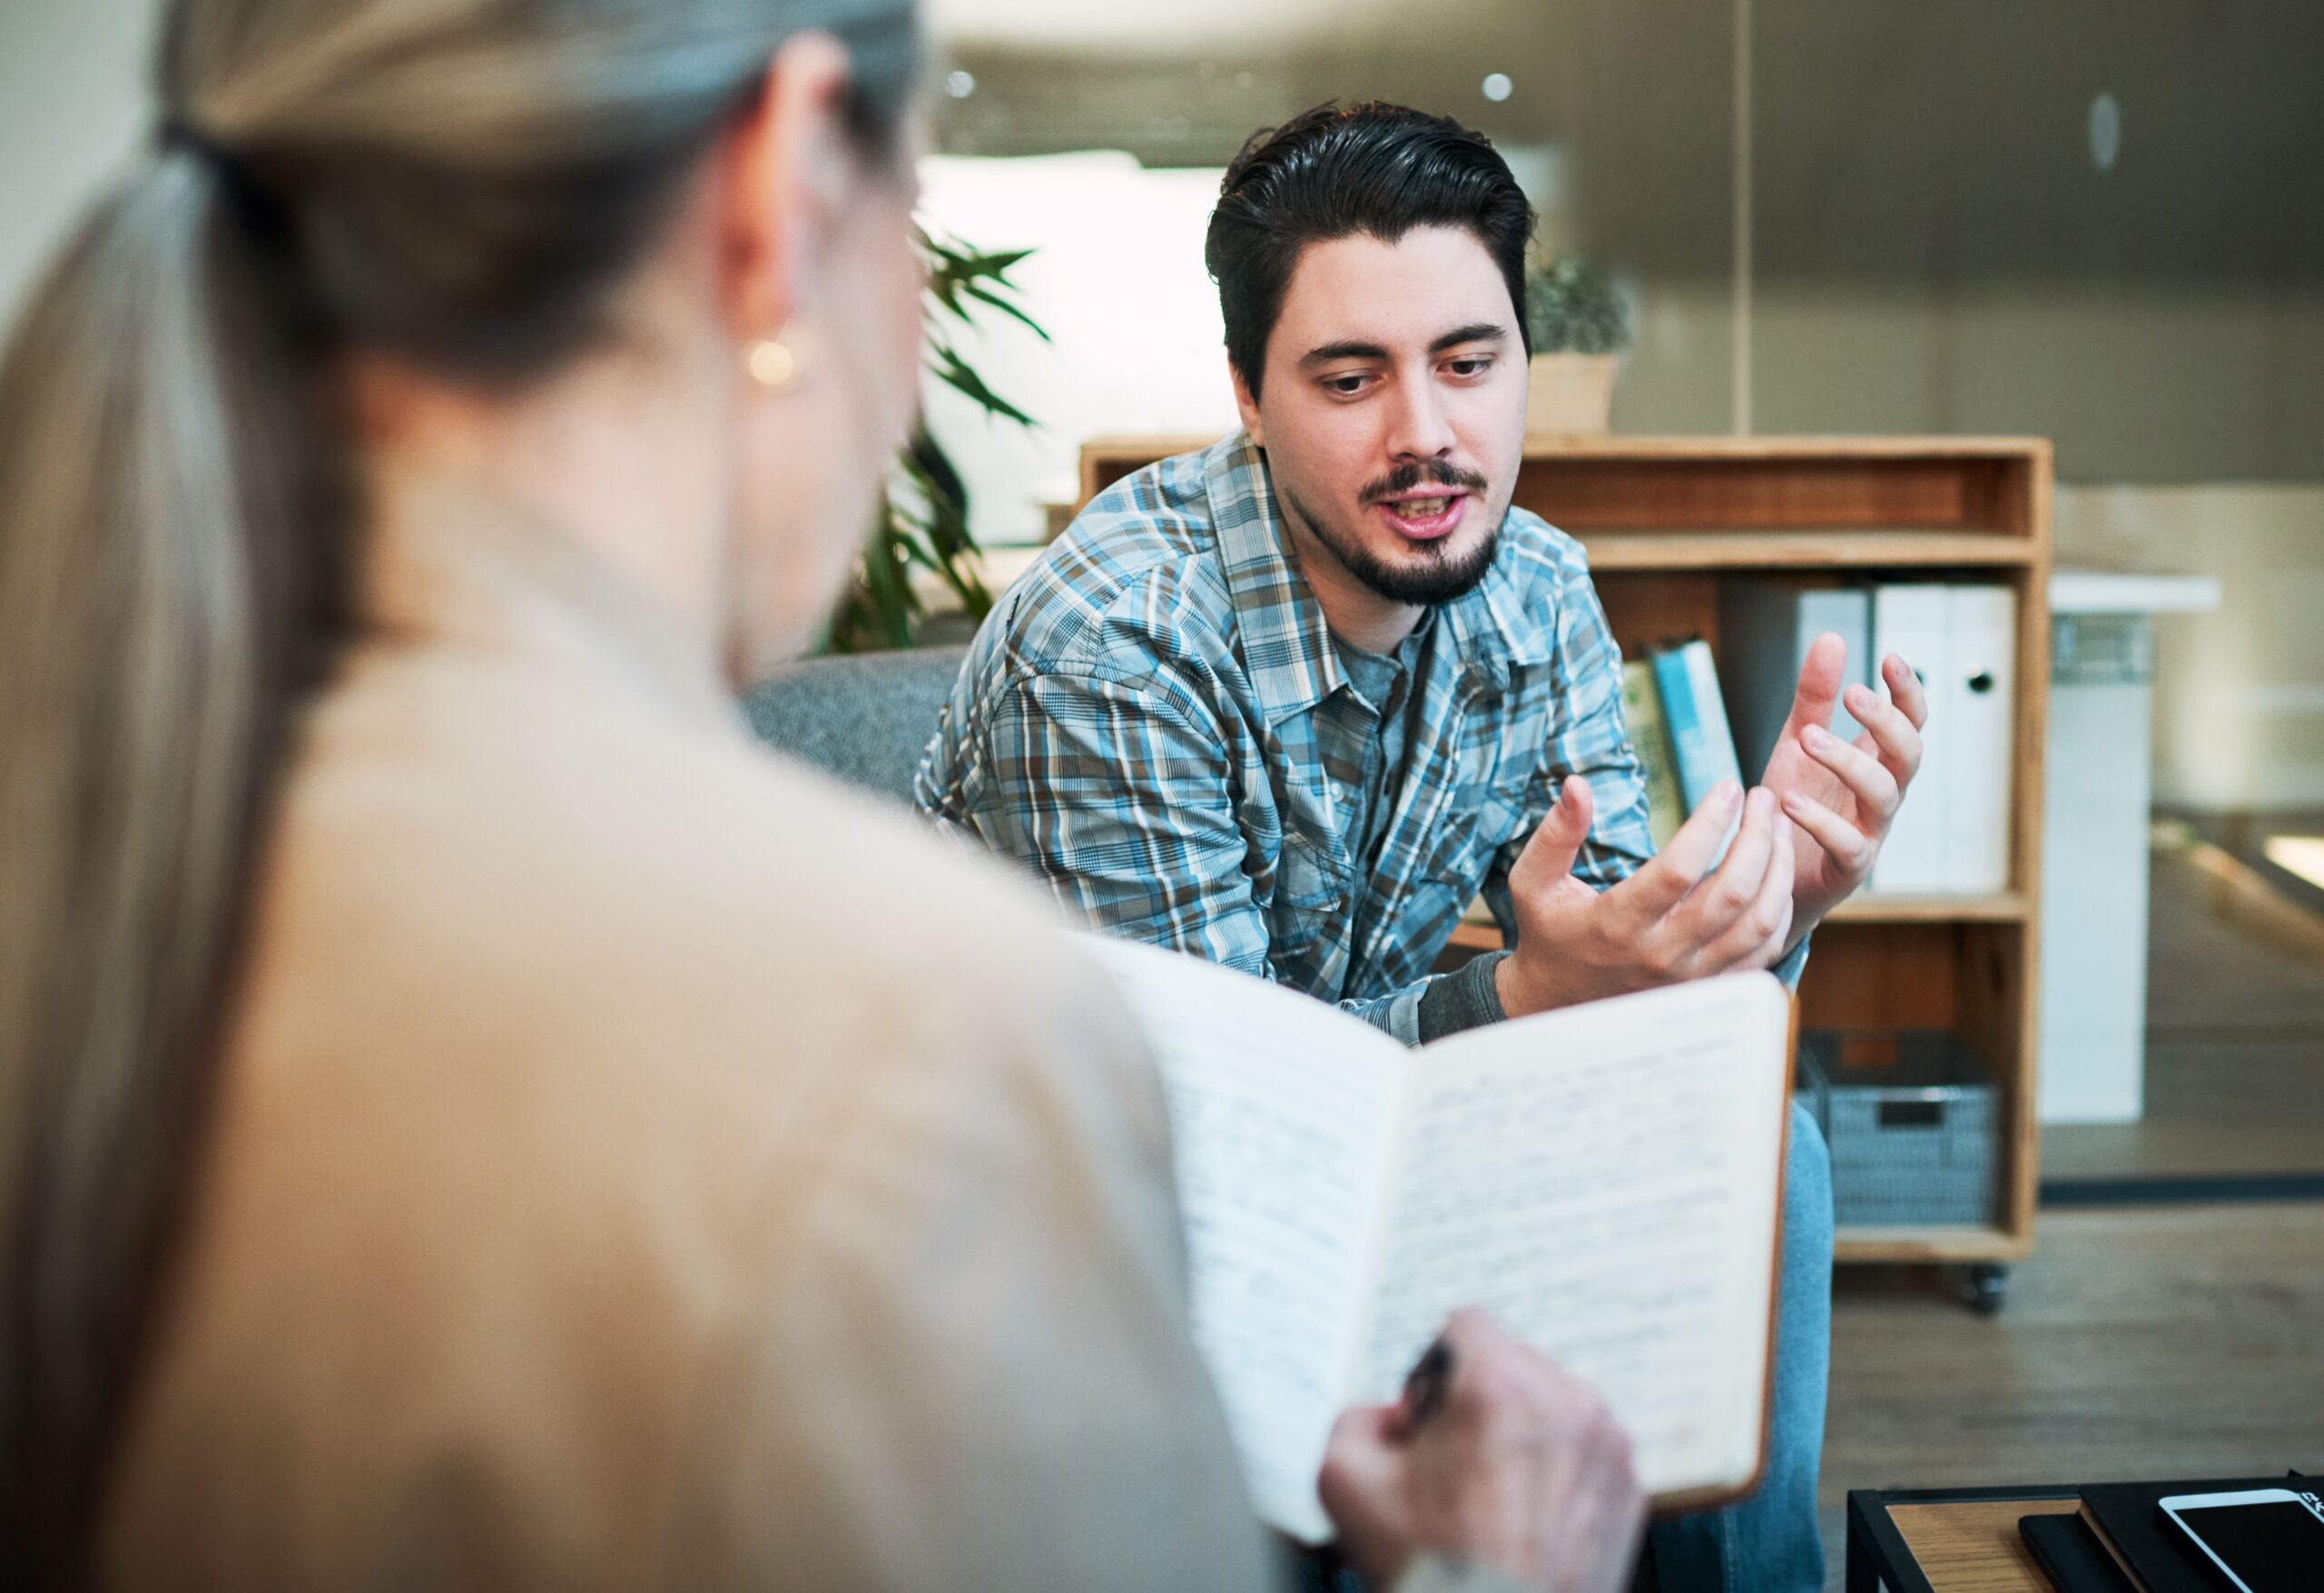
point(863, 717)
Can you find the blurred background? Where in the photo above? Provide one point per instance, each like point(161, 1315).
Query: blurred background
point(2100, 224)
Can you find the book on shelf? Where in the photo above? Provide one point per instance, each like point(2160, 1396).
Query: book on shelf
point(1692, 706)
point(1666, 804)
point(1606, 1180)
point(1766, 628)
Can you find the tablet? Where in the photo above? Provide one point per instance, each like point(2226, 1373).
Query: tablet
point(2267, 1541)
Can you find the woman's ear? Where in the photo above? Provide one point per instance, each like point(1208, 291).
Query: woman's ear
point(787, 173)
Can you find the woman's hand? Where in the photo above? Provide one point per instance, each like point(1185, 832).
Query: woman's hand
point(1502, 1458)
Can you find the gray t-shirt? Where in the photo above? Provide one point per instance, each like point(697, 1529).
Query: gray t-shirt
point(1383, 681)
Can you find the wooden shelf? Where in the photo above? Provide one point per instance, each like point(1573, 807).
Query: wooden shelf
point(1931, 1243)
point(1669, 522)
point(1786, 449)
point(2006, 909)
point(1147, 446)
point(1469, 936)
point(1804, 549)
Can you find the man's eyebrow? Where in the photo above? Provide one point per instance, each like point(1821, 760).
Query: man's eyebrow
point(1482, 331)
point(1345, 350)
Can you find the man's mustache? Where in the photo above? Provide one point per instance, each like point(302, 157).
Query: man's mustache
point(1404, 477)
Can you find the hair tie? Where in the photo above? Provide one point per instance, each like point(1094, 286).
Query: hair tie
point(177, 133)
point(260, 210)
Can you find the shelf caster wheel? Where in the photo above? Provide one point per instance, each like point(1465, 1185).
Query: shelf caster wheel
point(1985, 1287)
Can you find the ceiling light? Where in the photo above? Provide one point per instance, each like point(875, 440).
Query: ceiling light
point(960, 85)
point(1497, 86)
point(2105, 132)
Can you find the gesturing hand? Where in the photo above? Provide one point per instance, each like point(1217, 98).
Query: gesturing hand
point(1670, 921)
point(1521, 1469)
point(1843, 796)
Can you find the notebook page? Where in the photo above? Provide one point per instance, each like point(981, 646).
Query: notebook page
point(1606, 1180)
point(1280, 1108)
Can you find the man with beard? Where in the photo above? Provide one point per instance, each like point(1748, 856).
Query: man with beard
point(1290, 702)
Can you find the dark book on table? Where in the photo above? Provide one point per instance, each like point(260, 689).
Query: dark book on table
point(2071, 1556)
point(2149, 1547)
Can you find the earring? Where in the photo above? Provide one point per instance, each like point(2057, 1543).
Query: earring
point(775, 364)
point(771, 363)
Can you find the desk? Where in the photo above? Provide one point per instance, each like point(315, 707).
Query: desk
point(1947, 1540)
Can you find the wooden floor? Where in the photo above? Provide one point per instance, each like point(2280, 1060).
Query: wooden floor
point(2137, 1342)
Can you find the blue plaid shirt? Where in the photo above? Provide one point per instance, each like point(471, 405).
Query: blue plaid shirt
point(1155, 718)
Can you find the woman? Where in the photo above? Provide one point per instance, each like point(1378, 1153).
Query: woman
point(475, 1120)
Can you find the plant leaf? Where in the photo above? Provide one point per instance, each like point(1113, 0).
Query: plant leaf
point(952, 370)
point(985, 296)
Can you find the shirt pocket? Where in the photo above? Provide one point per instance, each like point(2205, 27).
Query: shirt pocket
point(1310, 897)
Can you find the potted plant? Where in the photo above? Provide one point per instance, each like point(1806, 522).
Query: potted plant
point(922, 519)
point(1580, 327)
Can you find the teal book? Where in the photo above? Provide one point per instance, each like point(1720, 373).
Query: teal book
point(1697, 715)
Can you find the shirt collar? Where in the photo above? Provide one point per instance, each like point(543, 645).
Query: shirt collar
point(1287, 643)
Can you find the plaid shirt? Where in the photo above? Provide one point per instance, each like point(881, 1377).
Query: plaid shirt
point(1156, 719)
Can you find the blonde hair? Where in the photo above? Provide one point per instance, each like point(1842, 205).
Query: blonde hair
point(457, 182)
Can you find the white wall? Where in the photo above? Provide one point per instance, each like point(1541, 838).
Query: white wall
point(74, 105)
point(2239, 692)
point(1117, 280)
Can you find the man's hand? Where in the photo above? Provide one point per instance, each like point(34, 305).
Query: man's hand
point(1665, 924)
point(1843, 796)
point(1521, 1469)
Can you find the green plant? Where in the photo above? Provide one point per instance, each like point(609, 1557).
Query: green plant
point(1573, 307)
point(922, 518)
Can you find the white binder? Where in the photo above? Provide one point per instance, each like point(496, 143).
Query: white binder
point(1980, 706)
point(1915, 622)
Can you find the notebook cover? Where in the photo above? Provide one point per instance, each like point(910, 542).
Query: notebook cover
point(2148, 1541)
point(2069, 1557)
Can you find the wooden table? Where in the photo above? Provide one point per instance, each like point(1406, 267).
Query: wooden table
point(1947, 1540)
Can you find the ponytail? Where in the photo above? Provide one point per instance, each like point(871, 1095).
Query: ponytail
point(173, 542)
point(459, 185)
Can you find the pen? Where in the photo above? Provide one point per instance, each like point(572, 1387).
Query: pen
point(1426, 1384)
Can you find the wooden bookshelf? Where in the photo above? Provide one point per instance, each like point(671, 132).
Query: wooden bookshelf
point(1665, 521)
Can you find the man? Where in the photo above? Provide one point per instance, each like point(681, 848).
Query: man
point(1290, 702)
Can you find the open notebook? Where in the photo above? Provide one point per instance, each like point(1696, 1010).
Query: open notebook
point(1606, 1180)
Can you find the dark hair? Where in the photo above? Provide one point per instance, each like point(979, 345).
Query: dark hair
point(1333, 173)
point(463, 185)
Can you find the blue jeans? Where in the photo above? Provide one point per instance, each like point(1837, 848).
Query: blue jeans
point(1769, 1542)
